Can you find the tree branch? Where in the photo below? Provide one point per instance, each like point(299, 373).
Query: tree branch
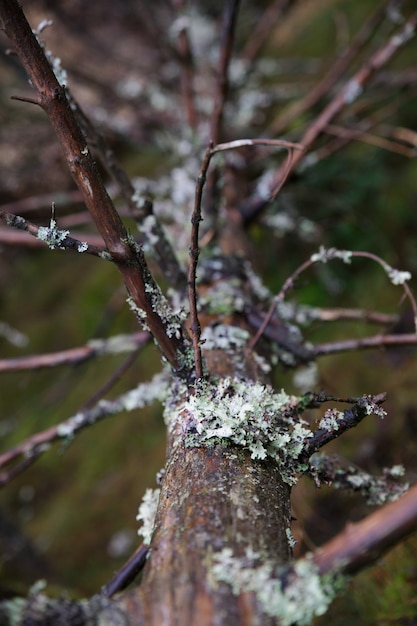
point(360, 544)
point(53, 100)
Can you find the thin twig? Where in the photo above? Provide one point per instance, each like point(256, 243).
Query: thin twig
point(52, 96)
point(376, 341)
point(7, 476)
point(345, 96)
point(222, 84)
point(264, 28)
point(74, 356)
point(351, 417)
point(353, 88)
point(337, 69)
point(35, 203)
point(192, 268)
point(324, 256)
point(112, 380)
point(187, 64)
point(197, 218)
point(361, 543)
point(371, 139)
point(65, 241)
point(219, 100)
point(337, 314)
point(38, 443)
point(139, 210)
point(127, 573)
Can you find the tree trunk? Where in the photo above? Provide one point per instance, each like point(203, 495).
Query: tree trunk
point(211, 498)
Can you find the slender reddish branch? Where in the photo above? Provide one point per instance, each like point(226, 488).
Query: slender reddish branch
point(35, 445)
point(352, 89)
point(345, 96)
point(192, 268)
point(338, 67)
point(324, 256)
point(74, 355)
point(264, 27)
point(67, 242)
point(377, 341)
point(196, 219)
point(351, 417)
point(127, 573)
point(362, 543)
point(187, 65)
point(222, 85)
point(52, 98)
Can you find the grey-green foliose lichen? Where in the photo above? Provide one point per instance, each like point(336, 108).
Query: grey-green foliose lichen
point(304, 595)
point(248, 414)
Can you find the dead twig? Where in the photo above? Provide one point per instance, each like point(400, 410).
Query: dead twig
point(97, 347)
point(127, 573)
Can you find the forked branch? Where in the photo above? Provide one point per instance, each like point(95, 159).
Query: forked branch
point(51, 97)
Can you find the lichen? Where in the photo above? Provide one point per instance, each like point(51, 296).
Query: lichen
point(290, 538)
point(247, 414)
point(113, 345)
point(397, 277)
point(147, 513)
point(376, 490)
point(52, 235)
point(154, 390)
point(82, 246)
point(172, 319)
point(304, 595)
point(223, 337)
point(223, 298)
point(328, 254)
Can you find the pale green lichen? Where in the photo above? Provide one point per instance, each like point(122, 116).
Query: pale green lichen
point(247, 414)
point(52, 235)
point(155, 390)
point(396, 276)
point(290, 538)
point(172, 319)
point(147, 513)
point(223, 337)
point(148, 227)
point(328, 254)
point(223, 298)
point(306, 378)
point(331, 420)
point(113, 345)
point(105, 255)
point(82, 246)
point(304, 595)
point(139, 313)
point(376, 490)
point(13, 336)
point(55, 62)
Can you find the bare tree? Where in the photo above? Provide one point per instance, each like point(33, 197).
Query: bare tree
point(217, 540)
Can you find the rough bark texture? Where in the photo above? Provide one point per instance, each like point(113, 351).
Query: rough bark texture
point(211, 498)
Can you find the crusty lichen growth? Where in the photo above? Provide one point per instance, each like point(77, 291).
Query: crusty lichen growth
point(247, 414)
point(52, 235)
point(147, 513)
point(304, 594)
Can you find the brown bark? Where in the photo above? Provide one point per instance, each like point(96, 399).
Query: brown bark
point(211, 498)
